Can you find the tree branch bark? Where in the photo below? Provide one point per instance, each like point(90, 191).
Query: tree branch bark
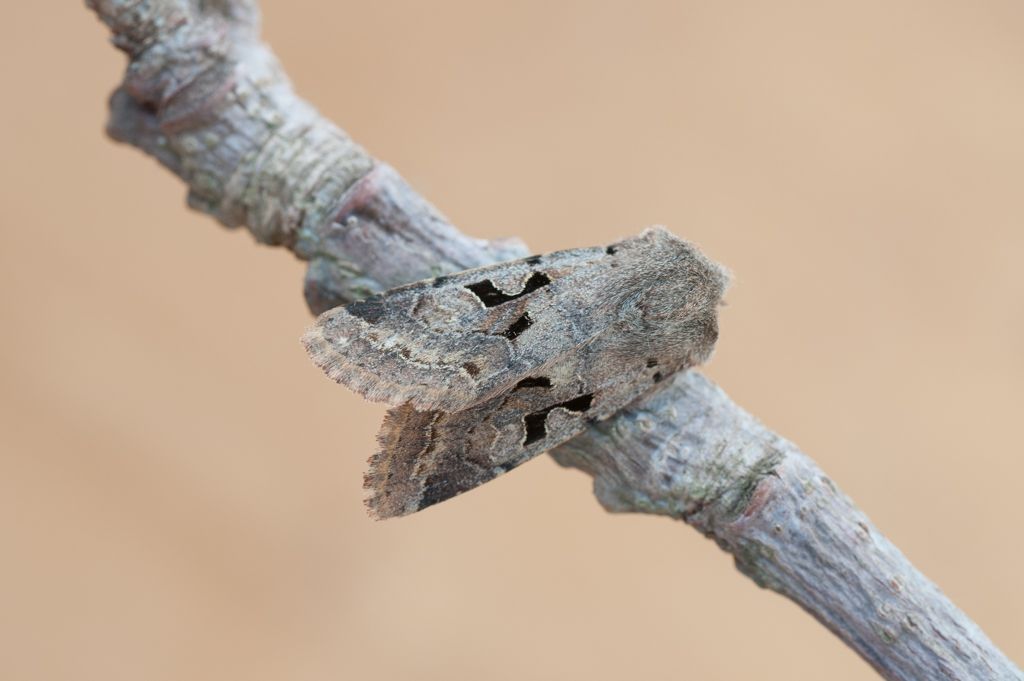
point(209, 101)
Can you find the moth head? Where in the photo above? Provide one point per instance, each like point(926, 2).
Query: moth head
point(670, 304)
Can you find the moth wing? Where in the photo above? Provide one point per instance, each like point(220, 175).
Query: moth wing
point(457, 340)
point(429, 456)
point(666, 323)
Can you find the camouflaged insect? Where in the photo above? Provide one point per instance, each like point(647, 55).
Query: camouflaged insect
point(490, 367)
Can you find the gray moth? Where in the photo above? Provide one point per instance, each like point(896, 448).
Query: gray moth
point(489, 367)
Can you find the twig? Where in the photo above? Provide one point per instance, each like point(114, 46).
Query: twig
point(205, 97)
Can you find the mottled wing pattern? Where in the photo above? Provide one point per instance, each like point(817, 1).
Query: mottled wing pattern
point(453, 341)
point(449, 342)
point(657, 328)
point(495, 365)
point(428, 456)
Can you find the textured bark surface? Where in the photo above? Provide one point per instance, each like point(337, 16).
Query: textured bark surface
point(209, 101)
point(690, 453)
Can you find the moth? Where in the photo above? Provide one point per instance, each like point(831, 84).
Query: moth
point(489, 367)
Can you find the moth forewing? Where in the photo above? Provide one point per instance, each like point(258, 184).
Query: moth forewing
point(451, 453)
point(454, 341)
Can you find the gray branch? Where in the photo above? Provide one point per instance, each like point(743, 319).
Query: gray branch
point(208, 100)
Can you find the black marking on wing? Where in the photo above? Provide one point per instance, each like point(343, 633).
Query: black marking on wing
point(369, 310)
point(536, 423)
point(458, 476)
point(534, 382)
point(490, 295)
point(518, 326)
point(579, 404)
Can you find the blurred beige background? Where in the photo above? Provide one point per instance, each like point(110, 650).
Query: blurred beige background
point(180, 490)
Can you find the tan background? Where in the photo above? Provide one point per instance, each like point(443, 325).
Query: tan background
point(180, 491)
